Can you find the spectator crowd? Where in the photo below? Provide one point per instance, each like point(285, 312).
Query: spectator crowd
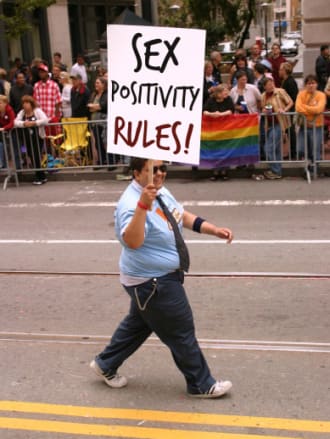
point(33, 96)
point(266, 85)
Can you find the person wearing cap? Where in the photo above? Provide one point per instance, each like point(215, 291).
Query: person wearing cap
point(268, 68)
point(47, 93)
point(80, 95)
point(322, 67)
point(79, 68)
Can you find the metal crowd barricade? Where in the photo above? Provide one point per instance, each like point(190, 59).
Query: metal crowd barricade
point(292, 147)
point(313, 141)
point(78, 143)
point(324, 157)
point(7, 165)
point(74, 143)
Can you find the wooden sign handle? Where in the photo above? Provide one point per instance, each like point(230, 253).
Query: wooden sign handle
point(150, 171)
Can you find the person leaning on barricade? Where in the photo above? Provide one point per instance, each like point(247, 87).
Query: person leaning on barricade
point(98, 108)
point(274, 102)
point(289, 84)
point(32, 120)
point(311, 104)
point(246, 97)
point(7, 117)
point(218, 105)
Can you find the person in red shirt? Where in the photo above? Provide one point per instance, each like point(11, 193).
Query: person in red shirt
point(7, 117)
point(47, 93)
point(276, 59)
point(48, 96)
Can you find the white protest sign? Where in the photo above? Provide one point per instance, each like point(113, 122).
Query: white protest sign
point(155, 92)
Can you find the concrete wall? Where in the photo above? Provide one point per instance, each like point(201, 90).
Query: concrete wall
point(59, 30)
point(316, 30)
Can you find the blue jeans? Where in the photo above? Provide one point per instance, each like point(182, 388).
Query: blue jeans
point(310, 142)
point(161, 306)
point(3, 163)
point(273, 147)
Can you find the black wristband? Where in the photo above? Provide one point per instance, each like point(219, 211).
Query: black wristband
point(198, 224)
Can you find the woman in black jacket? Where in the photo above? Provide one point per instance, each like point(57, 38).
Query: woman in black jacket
point(240, 64)
point(98, 107)
point(289, 84)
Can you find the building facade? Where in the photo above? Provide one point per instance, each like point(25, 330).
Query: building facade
point(68, 26)
point(316, 30)
point(76, 26)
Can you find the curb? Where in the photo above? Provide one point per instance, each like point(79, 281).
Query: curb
point(174, 172)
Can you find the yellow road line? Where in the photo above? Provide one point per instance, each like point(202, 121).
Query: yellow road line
point(118, 430)
point(167, 416)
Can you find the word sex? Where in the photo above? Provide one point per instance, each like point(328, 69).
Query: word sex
point(151, 57)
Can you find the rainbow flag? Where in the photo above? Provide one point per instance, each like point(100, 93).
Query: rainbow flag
point(229, 140)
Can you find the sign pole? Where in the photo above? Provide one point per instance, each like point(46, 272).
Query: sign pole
point(150, 171)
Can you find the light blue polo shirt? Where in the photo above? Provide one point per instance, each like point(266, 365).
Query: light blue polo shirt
point(158, 254)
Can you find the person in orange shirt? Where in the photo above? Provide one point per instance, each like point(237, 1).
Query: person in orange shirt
point(311, 104)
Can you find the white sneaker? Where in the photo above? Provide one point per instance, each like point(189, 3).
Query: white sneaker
point(218, 389)
point(115, 381)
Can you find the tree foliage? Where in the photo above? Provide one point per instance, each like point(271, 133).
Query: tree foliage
point(224, 18)
point(174, 17)
point(16, 22)
point(220, 18)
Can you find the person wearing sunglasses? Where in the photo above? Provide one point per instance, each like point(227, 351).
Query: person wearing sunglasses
point(147, 221)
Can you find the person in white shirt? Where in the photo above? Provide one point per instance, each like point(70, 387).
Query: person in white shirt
point(246, 93)
point(79, 68)
point(66, 94)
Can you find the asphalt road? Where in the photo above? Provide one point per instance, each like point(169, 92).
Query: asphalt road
point(261, 309)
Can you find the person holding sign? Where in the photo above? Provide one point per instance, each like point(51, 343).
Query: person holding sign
point(148, 223)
